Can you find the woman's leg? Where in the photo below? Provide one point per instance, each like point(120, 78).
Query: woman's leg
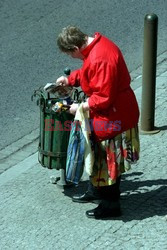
point(111, 192)
point(109, 205)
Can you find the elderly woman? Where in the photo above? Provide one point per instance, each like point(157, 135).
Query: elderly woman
point(105, 80)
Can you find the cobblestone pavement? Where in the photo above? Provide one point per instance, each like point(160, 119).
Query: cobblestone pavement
point(36, 214)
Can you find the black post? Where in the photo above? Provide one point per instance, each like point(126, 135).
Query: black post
point(149, 74)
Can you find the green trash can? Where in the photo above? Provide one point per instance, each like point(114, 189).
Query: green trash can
point(55, 130)
point(54, 133)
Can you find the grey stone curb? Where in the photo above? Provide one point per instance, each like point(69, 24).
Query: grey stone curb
point(17, 169)
point(136, 75)
point(19, 150)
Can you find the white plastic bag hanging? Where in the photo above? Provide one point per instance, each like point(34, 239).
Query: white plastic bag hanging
point(83, 117)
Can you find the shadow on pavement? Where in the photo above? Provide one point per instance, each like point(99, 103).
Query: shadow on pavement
point(76, 189)
point(140, 199)
point(140, 206)
point(162, 127)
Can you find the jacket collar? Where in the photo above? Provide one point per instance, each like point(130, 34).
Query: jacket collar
point(86, 51)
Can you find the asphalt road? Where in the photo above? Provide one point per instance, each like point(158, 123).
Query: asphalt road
point(29, 57)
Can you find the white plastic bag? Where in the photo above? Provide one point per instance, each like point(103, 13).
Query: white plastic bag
point(83, 117)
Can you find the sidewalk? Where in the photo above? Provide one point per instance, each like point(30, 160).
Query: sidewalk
point(36, 214)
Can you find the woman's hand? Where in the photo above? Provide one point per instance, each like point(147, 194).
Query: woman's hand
point(86, 106)
point(73, 108)
point(62, 81)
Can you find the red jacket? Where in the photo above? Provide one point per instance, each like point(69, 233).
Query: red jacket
point(105, 79)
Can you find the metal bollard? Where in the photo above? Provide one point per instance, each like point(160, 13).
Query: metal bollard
point(149, 74)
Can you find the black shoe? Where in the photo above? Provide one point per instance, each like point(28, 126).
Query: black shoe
point(86, 197)
point(101, 212)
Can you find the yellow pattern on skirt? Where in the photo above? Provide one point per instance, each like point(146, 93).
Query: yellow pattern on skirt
point(114, 157)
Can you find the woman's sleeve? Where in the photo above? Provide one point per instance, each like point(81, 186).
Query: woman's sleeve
point(104, 85)
point(74, 78)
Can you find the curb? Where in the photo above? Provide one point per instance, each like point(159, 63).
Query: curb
point(136, 75)
point(16, 170)
point(19, 150)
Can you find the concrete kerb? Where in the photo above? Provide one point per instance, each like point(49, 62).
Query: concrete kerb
point(17, 169)
point(27, 145)
point(18, 150)
point(22, 143)
point(136, 75)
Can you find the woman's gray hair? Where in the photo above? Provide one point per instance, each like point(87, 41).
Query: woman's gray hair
point(70, 37)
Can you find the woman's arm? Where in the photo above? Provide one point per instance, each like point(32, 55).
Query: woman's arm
point(74, 78)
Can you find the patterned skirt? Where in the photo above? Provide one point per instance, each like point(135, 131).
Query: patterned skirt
point(114, 157)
